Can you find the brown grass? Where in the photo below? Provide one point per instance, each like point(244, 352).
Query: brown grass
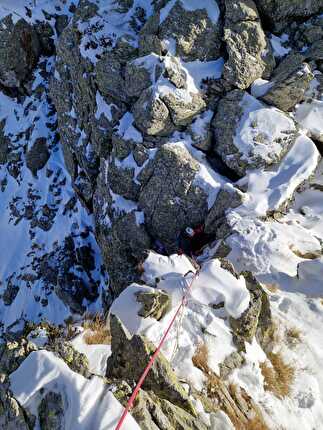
point(279, 377)
point(98, 331)
point(294, 335)
point(200, 358)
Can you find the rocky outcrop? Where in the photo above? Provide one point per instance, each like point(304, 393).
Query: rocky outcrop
point(129, 358)
point(83, 97)
point(249, 134)
point(170, 102)
point(19, 52)
point(75, 360)
point(13, 353)
point(248, 49)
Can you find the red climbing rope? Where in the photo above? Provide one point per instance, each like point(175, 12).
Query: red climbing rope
point(155, 354)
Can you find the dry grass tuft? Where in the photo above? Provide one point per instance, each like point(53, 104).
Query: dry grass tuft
point(279, 377)
point(200, 358)
point(98, 331)
point(294, 335)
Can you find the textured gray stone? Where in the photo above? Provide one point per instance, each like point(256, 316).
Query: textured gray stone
point(229, 121)
point(129, 358)
point(169, 194)
point(196, 36)
point(151, 115)
point(289, 85)
point(249, 51)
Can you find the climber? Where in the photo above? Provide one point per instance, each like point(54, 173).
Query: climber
point(191, 241)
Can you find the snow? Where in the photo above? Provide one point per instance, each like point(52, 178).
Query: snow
point(302, 409)
point(213, 286)
point(269, 190)
point(96, 354)
point(103, 108)
point(109, 25)
point(260, 87)
point(260, 130)
point(88, 403)
point(200, 70)
point(310, 116)
point(127, 131)
point(278, 43)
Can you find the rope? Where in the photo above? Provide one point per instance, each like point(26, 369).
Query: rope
point(155, 354)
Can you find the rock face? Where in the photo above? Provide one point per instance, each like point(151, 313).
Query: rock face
point(278, 14)
point(86, 115)
point(249, 134)
point(249, 52)
point(170, 194)
point(77, 361)
point(289, 84)
point(19, 52)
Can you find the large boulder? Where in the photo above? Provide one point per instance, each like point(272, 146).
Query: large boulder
point(228, 198)
point(19, 51)
point(249, 51)
point(170, 194)
point(167, 101)
point(279, 14)
point(152, 115)
point(194, 30)
point(249, 134)
point(289, 84)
